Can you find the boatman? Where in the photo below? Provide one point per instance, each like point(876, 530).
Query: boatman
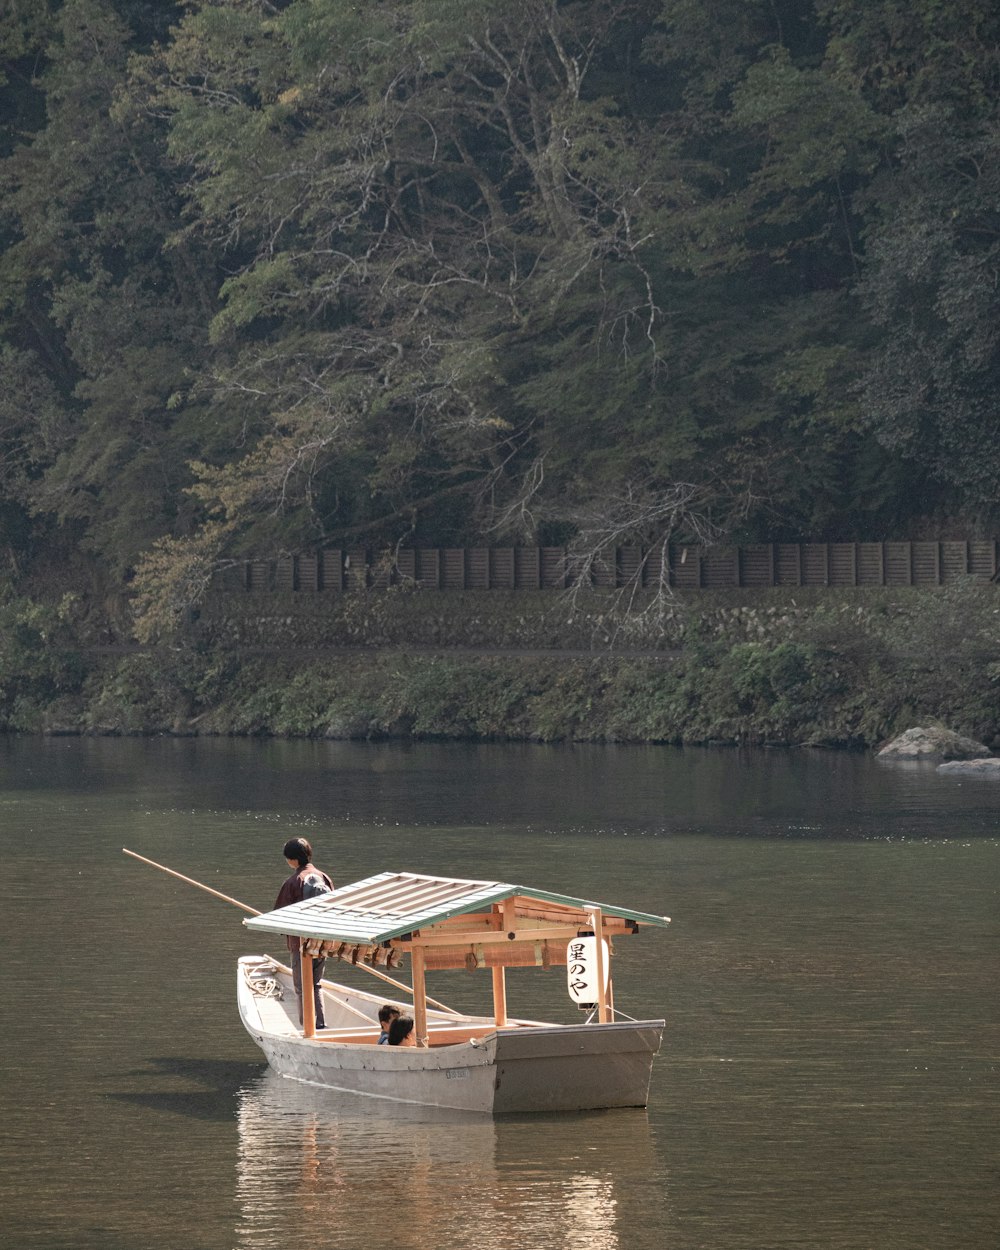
point(306, 881)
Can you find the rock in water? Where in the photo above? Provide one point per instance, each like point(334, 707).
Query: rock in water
point(979, 768)
point(934, 741)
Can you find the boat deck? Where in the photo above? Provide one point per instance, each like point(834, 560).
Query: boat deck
point(279, 1016)
point(274, 1015)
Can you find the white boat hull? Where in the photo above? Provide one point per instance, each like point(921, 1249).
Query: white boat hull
point(525, 1067)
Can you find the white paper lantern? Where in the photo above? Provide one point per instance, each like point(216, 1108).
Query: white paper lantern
point(581, 970)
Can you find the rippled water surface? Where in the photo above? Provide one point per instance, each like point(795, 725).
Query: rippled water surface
point(829, 1076)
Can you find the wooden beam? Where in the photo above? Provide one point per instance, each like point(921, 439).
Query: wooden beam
point(504, 914)
point(510, 955)
point(499, 997)
point(527, 910)
point(602, 997)
point(524, 906)
point(419, 996)
point(448, 1036)
point(476, 937)
point(470, 919)
point(308, 999)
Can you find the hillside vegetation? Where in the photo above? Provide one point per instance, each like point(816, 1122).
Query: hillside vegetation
point(844, 668)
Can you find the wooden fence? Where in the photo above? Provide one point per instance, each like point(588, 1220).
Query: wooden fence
point(689, 567)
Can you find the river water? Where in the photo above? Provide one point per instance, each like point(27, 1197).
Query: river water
point(829, 1075)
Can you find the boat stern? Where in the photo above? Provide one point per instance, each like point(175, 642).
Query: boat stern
point(575, 1068)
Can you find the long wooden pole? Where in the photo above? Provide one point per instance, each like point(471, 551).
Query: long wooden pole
point(191, 881)
point(400, 985)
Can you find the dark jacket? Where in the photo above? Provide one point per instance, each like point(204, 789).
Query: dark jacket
point(292, 891)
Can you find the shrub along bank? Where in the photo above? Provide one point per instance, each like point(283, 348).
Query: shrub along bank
point(831, 667)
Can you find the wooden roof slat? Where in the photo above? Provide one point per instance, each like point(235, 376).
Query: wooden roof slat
point(418, 898)
point(374, 895)
point(400, 892)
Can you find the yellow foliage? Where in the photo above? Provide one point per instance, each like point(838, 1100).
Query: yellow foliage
point(172, 576)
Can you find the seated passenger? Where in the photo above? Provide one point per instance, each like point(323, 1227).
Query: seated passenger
point(401, 1032)
point(386, 1014)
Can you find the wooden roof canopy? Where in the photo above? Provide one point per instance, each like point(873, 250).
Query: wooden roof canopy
point(451, 917)
point(447, 922)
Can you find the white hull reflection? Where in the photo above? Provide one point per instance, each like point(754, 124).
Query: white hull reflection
point(321, 1168)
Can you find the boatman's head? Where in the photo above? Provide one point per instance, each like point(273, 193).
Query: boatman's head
point(298, 849)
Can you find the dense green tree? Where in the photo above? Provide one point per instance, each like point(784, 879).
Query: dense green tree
point(278, 274)
point(408, 201)
point(103, 318)
point(485, 256)
point(929, 390)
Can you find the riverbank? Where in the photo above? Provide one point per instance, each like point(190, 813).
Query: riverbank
point(845, 668)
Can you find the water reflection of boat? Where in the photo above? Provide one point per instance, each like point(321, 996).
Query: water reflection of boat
point(475, 1063)
point(320, 1167)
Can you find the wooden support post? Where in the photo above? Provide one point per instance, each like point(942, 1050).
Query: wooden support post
point(419, 995)
point(499, 997)
point(602, 997)
point(508, 913)
point(308, 999)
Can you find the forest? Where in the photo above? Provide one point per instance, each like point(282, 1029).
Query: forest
point(279, 274)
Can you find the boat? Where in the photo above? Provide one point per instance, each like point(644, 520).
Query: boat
point(488, 1064)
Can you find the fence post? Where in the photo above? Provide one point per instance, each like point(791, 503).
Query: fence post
point(843, 564)
point(686, 566)
point(983, 559)
point(927, 564)
point(553, 568)
point(629, 565)
point(871, 564)
point(284, 573)
point(789, 564)
point(428, 567)
point(356, 568)
point(899, 564)
point(453, 571)
point(527, 568)
point(331, 568)
point(478, 568)
point(501, 568)
point(756, 564)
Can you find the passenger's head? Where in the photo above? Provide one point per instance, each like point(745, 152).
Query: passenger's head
point(299, 850)
point(401, 1032)
point(387, 1013)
